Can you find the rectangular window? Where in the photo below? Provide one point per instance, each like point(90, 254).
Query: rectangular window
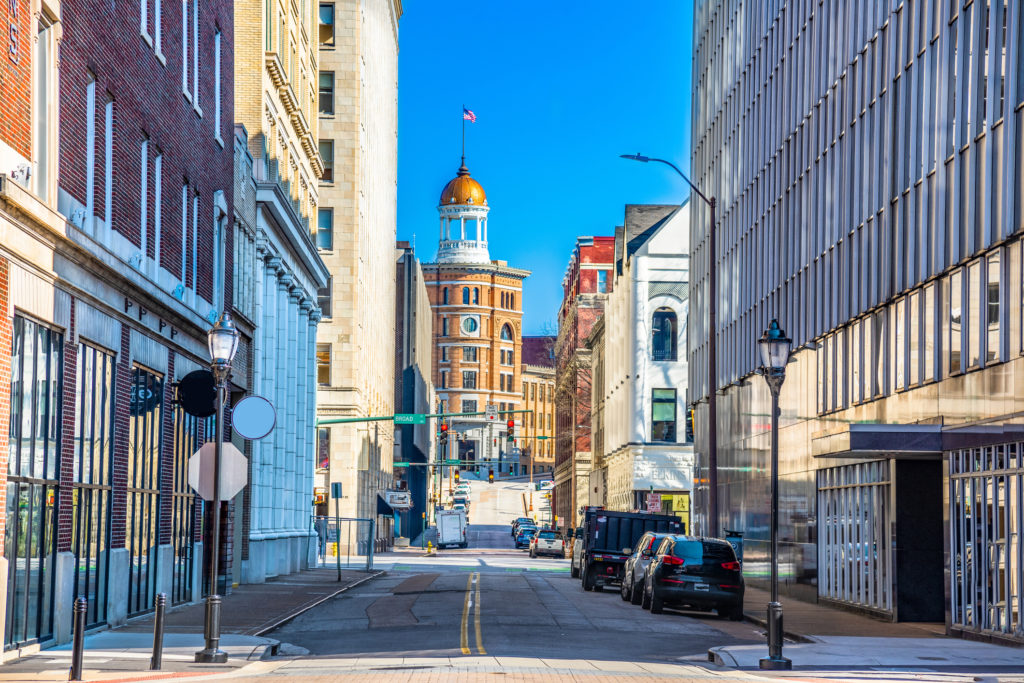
point(158, 30)
point(216, 87)
point(184, 234)
point(323, 298)
point(323, 448)
point(45, 94)
point(90, 154)
point(974, 319)
point(444, 354)
point(326, 102)
point(195, 242)
point(144, 431)
point(602, 281)
point(444, 380)
point(444, 327)
point(195, 57)
point(914, 334)
point(327, 153)
point(94, 453)
point(219, 265)
point(663, 415)
point(469, 379)
point(469, 406)
point(143, 198)
point(144, 19)
point(533, 392)
point(992, 337)
point(956, 322)
point(184, 48)
point(325, 229)
point(501, 382)
point(323, 364)
point(158, 164)
point(327, 24)
point(928, 331)
point(469, 354)
point(108, 163)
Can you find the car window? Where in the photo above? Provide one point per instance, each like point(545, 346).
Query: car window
point(697, 551)
point(664, 547)
point(548, 534)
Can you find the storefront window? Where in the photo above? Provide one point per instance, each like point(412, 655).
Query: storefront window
point(955, 322)
point(189, 434)
point(146, 410)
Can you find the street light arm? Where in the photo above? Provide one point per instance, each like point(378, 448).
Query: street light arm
point(640, 157)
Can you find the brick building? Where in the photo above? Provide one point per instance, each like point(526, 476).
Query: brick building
point(585, 287)
point(112, 268)
point(537, 454)
point(478, 313)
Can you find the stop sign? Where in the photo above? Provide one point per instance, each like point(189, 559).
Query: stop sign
point(234, 471)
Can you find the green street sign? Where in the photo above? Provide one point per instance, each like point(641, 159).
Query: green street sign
point(410, 419)
point(451, 462)
point(541, 438)
point(399, 464)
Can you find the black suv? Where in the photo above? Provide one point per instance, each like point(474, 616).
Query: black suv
point(695, 572)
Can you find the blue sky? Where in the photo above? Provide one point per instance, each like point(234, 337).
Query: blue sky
point(560, 89)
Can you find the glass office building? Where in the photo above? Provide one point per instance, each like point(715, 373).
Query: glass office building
point(868, 165)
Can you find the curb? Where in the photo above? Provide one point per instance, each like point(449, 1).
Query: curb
point(792, 635)
point(285, 619)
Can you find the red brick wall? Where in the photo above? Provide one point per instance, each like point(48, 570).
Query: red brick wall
point(148, 101)
point(16, 76)
point(66, 468)
point(6, 333)
point(119, 469)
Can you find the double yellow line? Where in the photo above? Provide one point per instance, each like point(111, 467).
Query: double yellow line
point(471, 605)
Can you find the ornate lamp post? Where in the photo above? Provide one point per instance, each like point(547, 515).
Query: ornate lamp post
point(222, 340)
point(775, 348)
point(712, 529)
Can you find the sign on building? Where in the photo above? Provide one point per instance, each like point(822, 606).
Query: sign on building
point(654, 503)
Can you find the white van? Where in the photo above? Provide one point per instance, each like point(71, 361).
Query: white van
point(451, 528)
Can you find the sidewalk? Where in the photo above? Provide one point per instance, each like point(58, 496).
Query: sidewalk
point(829, 640)
point(251, 611)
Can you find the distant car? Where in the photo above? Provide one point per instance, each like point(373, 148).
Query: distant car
point(520, 521)
point(689, 571)
point(636, 566)
point(462, 488)
point(524, 536)
point(577, 555)
point(547, 484)
point(547, 542)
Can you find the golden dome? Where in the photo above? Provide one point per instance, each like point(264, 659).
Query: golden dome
point(463, 190)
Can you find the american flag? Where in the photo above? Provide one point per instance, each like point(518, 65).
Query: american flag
point(468, 115)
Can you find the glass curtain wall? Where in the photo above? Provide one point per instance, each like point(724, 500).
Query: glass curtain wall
point(854, 562)
point(189, 434)
point(143, 488)
point(34, 451)
point(94, 451)
point(986, 486)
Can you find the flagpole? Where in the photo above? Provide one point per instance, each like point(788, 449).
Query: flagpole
point(463, 112)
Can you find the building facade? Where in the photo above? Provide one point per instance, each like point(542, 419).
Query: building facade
point(414, 391)
point(280, 274)
point(638, 362)
point(869, 195)
point(112, 266)
point(356, 225)
point(478, 311)
point(537, 448)
point(584, 290)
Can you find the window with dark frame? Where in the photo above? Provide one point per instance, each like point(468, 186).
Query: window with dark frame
point(469, 379)
point(325, 228)
point(145, 408)
point(323, 364)
point(324, 299)
point(663, 335)
point(326, 99)
point(663, 415)
point(327, 153)
point(326, 24)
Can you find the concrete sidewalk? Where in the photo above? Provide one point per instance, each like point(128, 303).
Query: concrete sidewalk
point(247, 614)
point(834, 643)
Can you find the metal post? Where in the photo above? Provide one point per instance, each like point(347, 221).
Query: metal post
point(78, 644)
point(212, 654)
point(348, 544)
point(369, 552)
point(775, 661)
point(156, 660)
point(337, 535)
point(712, 378)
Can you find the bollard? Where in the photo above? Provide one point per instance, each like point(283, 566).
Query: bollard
point(156, 661)
point(78, 644)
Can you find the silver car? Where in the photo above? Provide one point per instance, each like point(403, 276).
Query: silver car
point(633, 573)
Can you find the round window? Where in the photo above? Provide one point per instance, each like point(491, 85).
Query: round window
point(469, 325)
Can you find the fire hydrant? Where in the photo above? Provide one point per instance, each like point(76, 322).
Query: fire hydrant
point(430, 548)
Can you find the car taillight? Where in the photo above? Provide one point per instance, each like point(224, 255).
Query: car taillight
point(731, 566)
point(668, 559)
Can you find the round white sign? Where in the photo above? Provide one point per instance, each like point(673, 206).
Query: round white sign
point(253, 417)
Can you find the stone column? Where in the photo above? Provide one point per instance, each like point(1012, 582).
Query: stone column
point(268, 361)
point(462, 228)
point(284, 282)
point(291, 469)
point(304, 422)
point(314, 318)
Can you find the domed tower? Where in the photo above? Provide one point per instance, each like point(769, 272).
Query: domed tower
point(463, 210)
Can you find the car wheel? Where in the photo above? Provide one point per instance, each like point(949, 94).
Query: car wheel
point(588, 580)
point(635, 595)
point(574, 571)
point(645, 599)
point(657, 606)
point(624, 592)
point(734, 613)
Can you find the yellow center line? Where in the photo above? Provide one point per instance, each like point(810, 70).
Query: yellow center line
point(464, 635)
point(479, 638)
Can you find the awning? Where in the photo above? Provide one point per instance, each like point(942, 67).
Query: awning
point(382, 506)
point(909, 440)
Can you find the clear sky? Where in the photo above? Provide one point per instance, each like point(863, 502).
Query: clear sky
point(560, 89)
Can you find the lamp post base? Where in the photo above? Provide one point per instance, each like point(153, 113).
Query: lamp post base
point(775, 664)
point(215, 656)
point(212, 654)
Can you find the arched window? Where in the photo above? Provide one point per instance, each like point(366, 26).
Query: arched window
point(465, 295)
point(444, 295)
point(512, 301)
point(476, 295)
point(506, 332)
point(663, 335)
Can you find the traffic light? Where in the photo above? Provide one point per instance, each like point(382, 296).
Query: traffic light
point(689, 424)
point(511, 424)
point(456, 474)
point(444, 433)
point(490, 476)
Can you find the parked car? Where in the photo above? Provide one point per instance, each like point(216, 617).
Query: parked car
point(547, 542)
point(577, 553)
point(609, 536)
point(636, 566)
point(689, 571)
point(524, 536)
point(520, 521)
point(451, 528)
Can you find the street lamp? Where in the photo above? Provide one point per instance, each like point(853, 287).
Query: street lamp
point(775, 347)
point(712, 347)
point(222, 340)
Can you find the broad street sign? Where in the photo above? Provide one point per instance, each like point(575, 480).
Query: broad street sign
point(452, 462)
point(491, 412)
point(400, 464)
point(410, 419)
point(233, 471)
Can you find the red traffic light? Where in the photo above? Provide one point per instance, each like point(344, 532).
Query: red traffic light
point(444, 426)
point(511, 424)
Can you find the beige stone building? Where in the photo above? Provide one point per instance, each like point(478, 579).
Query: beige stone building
point(356, 220)
point(478, 313)
point(538, 443)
